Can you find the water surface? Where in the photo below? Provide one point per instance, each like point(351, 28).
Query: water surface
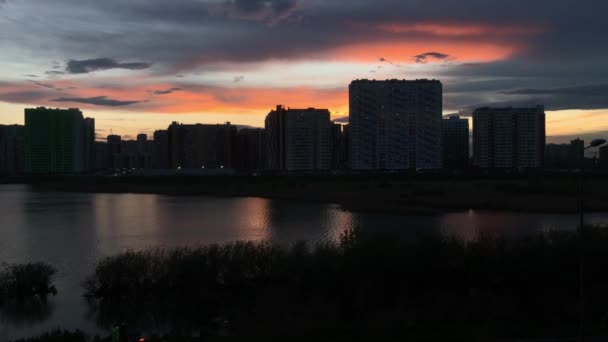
point(73, 231)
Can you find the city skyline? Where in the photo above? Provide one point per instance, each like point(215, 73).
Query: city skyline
point(215, 61)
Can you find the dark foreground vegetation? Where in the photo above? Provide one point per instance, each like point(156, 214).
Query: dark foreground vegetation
point(398, 193)
point(24, 290)
point(58, 336)
point(429, 289)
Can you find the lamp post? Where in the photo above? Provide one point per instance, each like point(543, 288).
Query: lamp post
point(581, 236)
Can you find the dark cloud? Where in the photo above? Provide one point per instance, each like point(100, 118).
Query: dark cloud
point(97, 101)
point(54, 73)
point(343, 119)
point(562, 98)
point(549, 102)
point(164, 92)
point(278, 6)
point(97, 64)
point(425, 57)
point(32, 76)
point(238, 79)
point(32, 96)
point(520, 82)
point(44, 85)
point(585, 90)
point(157, 27)
point(562, 49)
point(231, 98)
point(384, 60)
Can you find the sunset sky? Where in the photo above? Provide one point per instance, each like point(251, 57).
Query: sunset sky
point(137, 65)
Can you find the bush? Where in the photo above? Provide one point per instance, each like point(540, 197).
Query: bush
point(20, 282)
point(58, 336)
point(430, 288)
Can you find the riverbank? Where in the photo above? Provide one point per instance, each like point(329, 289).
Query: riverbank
point(365, 286)
point(393, 194)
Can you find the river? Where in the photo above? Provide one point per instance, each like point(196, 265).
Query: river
point(72, 231)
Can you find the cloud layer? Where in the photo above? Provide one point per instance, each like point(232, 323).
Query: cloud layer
point(90, 65)
point(245, 56)
point(97, 101)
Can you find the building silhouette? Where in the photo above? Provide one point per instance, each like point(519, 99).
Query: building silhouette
point(298, 139)
point(88, 146)
point(251, 149)
point(55, 141)
point(103, 162)
point(346, 152)
point(509, 137)
point(11, 149)
point(565, 155)
point(455, 142)
point(603, 157)
point(201, 146)
point(113, 150)
point(160, 150)
point(143, 156)
point(395, 124)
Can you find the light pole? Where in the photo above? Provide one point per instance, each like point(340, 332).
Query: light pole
point(581, 236)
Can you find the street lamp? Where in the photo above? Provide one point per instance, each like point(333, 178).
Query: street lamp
point(581, 236)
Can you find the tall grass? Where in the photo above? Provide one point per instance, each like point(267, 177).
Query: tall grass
point(57, 336)
point(24, 290)
point(429, 288)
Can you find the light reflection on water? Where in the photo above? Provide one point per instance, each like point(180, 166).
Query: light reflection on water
point(73, 231)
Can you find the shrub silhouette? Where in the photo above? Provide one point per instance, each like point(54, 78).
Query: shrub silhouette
point(429, 288)
point(57, 336)
point(24, 290)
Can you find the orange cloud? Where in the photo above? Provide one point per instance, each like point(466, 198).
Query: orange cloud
point(249, 100)
point(188, 100)
point(455, 30)
point(403, 51)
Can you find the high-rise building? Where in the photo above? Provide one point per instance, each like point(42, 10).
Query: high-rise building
point(275, 124)
point(226, 145)
point(336, 145)
point(395, 124)
point(201, 146)
point(114, 149)
point(114, 143)
point(565, 155)
point(345, 162)
point(11, 149)
point(88, 144)
point(160, 150)
point(603, 154)
point(143, 157)
point(251, 149)
point(509, 137)
point(577, 149)
point(103, 162)
point(298, 139)
point(142, 144)
point(54, 141)
point(128, 157)
point(455, 141)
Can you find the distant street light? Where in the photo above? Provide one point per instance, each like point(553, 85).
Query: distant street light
point(581, 236)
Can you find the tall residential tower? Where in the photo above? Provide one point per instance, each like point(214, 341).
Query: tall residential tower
point(455, 142)
point(55, 141)
point(298, 139)
point(395, 124)
point(509, 137)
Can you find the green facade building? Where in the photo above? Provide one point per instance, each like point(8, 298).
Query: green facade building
point(54, 140)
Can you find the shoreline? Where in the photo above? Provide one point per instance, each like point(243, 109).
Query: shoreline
point(391, 195)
